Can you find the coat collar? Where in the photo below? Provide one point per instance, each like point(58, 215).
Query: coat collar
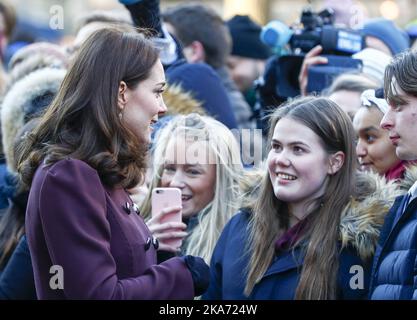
point(364, 215)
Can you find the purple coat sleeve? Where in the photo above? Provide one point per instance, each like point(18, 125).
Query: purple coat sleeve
point(73, 214)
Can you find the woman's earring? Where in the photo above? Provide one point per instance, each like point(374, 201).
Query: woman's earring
point(120, 115)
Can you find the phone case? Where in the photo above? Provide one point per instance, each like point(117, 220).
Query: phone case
point(163, 198)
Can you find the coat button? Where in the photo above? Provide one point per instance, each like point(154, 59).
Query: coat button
point(148, 243)
point(126, 207)
point(136, 208)
point(155, 243)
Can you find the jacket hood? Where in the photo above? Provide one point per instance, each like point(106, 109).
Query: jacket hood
point(179, 101)
point(26, 99)
point(362, 217)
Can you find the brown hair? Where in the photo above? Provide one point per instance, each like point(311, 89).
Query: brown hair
point(82, 122)
point(318, 279)
point(12, 222)
point(196, 22)
point(403, 68)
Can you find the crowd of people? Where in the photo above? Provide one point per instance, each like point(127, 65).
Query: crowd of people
point(151, 99)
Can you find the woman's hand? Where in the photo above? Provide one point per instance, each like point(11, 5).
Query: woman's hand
point(169, 233)
point(311, 58)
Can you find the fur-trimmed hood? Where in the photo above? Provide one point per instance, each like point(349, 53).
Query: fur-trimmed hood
point(178, 101)
point(364, 215)
point(25, 99)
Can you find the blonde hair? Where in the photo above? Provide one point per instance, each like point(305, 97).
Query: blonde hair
point(224, 151)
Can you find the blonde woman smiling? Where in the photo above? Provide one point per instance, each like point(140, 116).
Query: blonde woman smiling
point(200, 156)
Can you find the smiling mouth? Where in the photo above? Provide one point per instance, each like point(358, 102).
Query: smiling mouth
point(286, 177)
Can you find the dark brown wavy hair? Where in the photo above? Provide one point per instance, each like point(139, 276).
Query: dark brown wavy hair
point(318, 276)
point(83, 123)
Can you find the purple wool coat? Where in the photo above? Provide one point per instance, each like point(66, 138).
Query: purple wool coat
point(73, 221)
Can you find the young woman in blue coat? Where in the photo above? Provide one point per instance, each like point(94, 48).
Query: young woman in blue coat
point(294, 244)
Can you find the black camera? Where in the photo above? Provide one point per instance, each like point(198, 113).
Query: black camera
point(281, 74)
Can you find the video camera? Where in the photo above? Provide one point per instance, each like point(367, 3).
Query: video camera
point(280, 80)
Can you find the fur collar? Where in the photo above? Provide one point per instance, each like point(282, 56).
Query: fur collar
point(364, 216)
point(179, 101)
point(19, 99)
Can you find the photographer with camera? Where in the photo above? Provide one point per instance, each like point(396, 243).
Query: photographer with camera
point(383, 40)
point(286, 74)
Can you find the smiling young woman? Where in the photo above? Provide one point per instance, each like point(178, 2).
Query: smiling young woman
point(293, 243)
point(200, 156)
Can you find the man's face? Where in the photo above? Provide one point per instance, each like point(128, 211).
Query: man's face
point(401, 122)
point(244, 71)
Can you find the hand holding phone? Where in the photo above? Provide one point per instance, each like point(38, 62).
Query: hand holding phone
point(166, 223)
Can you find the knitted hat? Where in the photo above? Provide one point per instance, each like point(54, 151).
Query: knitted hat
point(246, 41)
point(385, 30)
point(374, 63)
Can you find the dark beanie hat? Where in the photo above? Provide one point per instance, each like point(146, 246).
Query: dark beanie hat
point(385, 30)
point(246, 38)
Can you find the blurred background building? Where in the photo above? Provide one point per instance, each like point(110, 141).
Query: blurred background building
point(38, 13)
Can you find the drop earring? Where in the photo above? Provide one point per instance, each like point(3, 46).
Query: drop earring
point(120, 115)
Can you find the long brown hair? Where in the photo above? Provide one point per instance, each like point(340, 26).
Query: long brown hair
point(83, 123)
point(318, 279)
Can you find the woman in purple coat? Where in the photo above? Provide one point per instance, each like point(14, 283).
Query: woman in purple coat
point(85, 236)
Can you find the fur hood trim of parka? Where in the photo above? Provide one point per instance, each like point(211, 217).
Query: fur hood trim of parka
point(178, 101)
point(364, 215)
point(25, 99)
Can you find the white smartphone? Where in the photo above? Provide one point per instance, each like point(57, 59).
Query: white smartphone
point(163, 198)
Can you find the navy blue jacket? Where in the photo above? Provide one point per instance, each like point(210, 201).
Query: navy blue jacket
point(16, 279)
point(229, 262)
point(394, 272)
